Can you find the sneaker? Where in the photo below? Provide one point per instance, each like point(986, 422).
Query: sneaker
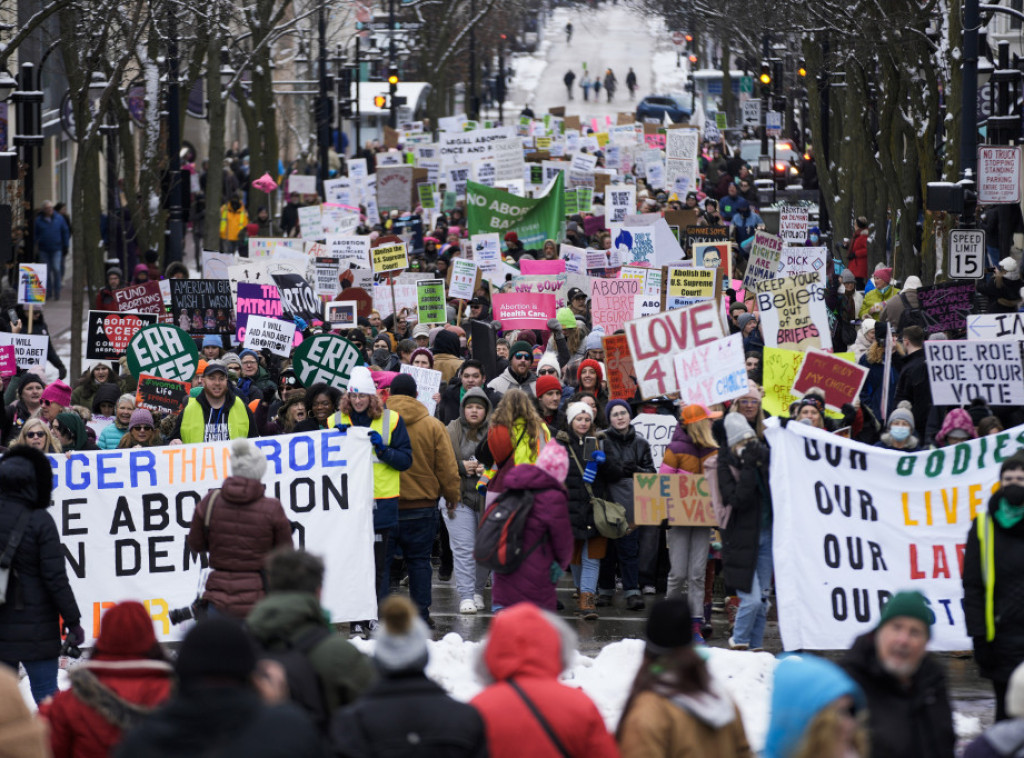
point(635, 603)
point(478, 601)
point(734, 645)
point(467, 606)
point(603, 601)
point(698, 638)
point(649, 589)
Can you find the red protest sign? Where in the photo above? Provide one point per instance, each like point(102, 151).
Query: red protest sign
point(838, 378)
point(8, 363)
point(161, 396)
point(618, 362)
point(141, 298)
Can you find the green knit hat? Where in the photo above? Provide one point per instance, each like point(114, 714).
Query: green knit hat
point(908, 603)
point(521, 346)
point(566, 318)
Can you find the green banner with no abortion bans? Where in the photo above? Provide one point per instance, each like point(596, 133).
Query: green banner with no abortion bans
point(534, 219)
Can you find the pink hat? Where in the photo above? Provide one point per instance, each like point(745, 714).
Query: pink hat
point(58, 393)
point(554, 461)
point(957, 420)
point(885, 274)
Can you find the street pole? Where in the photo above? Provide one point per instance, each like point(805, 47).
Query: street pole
point(113, 221)
point(28, 135)
point(474, 102)
point(969, 113)
point(358, 77)
point(176, 215)
point(392, 66)
point(764, 108)
point(322, 115)
point(822, 150)
point(501, 80)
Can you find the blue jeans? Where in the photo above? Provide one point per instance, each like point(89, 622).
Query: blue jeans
point(42, 676)
point(753, 611)
point(54, 261)
point(585, 576)
point(623, 552)
point(415, 535)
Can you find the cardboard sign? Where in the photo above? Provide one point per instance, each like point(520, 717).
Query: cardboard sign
point(354, 249)
point(165, 351)
point(683, 499)
point(612, 302)
point(161, 396)
point(258, 300)
point(793, 224)
point(31, 283)
point(462, 281)
point(202, 306)
point(430, 301)
point(779, 373)
point(298, 298)
point(325, 272)
point(802, 260)
point(109, 333)
point(658, 429)
point(390, 257)
point(396, 188)
point(712, 373)
point(687, 286)
point(428, 384)
point(523, 310)
point(998, 174)
point(958, 372)
point(840, 379)
point(793, 313)
point(29, 349)
point(618, 364)
point(996, 326)
point(946, 306)
point(341, 315)
point(326, 358)
point(8, 361)
point(140, 298)
point(765, 259)
point(653, 341)
point(271, 334)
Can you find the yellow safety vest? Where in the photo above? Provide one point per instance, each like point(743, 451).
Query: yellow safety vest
point(386, 480)
point(987, 543)
point(193, 425)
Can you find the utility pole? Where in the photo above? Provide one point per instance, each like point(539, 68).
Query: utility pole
point(323, 136)
point(358, 76)
point(766, 80)
point(28, 135)
point(176, 214)
point(473, 104)
point(392, 68)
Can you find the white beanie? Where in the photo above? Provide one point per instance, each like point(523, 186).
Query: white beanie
point(550, 359)
point(575, 409)
point(361, 381)
point(1009, 265)
point(401, 637)
point(737, 429)
point(912, 283)
point(247, 460)
point(867, 325)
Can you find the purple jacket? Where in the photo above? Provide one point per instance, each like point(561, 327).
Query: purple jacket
point(531, 582)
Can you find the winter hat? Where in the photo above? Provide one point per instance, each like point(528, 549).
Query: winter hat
point(520, 346)
point(743, 319)
point(401, 637)
point(422, 351)
point(420, 330)
point(126, 631)
point(511, 237)
point(737, 429)
point(140, 417)
point(978, 410)
point(230, 358)
point(554, 461)
point(881, 331)
point(867, 325)
point(908, 603)
point(246, 352)
point(695, 412)
point(361, 382)
point(575, 409)
point(213, 340)
point(247, 460)
point(549, 360)
point(201, 367)
point(28, 379)
point(105, 393)
point(590, 363)
point(912, 283)
point(216, 647)
point(547, 383)
point(669, 627)
point(740, 204)
point(1008, 264)
point(754, 391)
point(403, 384)
point(1015, 694)
point(74, 424)
point(956, 424)
point(57, 392)
point(902, 413)
point(593, 341)
point(885, 274)
point(215, 367)
point(847, 276)
point(566, 318)
point(446, 342)
point(613, 404)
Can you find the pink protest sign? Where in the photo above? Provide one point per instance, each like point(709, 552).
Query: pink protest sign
point(8, 363)
point(520, 310)
point(611, 302)
point(544, 268)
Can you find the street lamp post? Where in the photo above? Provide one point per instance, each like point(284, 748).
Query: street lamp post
point(28, 135)
point(176, 209)
point(392, 68)
point(322, 102)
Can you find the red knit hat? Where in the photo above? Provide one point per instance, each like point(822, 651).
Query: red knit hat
point(546, 383)
point(126, 632)
point(590, 363)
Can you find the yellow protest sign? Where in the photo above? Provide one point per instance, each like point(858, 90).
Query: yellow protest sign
point(779, 371)
point(687, 286)
point(390, 257)
point(683, 499)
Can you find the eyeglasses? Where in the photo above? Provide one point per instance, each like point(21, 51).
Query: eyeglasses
point(546, 372)
point(523, 357)
point(248, 363)
point(35, 435)
point(142, 428)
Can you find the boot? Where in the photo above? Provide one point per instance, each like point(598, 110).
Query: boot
point(698, 638)
point(732, 606)
point(587, 609)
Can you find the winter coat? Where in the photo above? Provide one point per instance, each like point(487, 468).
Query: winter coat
point(450, 405)
point(106, 698)
point(223, 722)
point(913, 385)
point(84, 393)
point(39, 594)
point(1001, 297)
point(706, 723)
point(633, 454)
point(549, 519)
point(525, 647)
point(858, 255)
point(683, 455)
point(408, 715)
point(895, 307)
point(111, 436)
point(743, 488)
point(506, 381)
point(245, 525)
point(871, 392)
point(464, 446)
point(1002, 740)
point(917, 721)
point(434, 472)
point(581, 509)
point(998, 657)
point(876, 297)
point(281, 619)
point(446, 354)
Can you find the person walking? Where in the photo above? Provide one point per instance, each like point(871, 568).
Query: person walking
point(631, 83)
point(569, 78)
point(610, 84)
point(52, 235)
point(585, 85)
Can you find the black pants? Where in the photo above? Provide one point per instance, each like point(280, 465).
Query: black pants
point(1000, 688)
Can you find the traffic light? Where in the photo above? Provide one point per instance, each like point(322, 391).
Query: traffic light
point(766, 74)
point(801, 68)
point(693, 57)
point(393, 78)
point(380, 101)
point(689, 38)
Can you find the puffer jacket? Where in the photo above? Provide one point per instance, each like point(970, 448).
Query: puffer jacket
point(683, 454)
point(433, 473)
point(465, 446)
point(581, 510)
point(524, 646)
point(633, 454)
point(245, 525)
point(39, 594)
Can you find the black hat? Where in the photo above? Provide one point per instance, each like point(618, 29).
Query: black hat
point(403, 384)
point(215, 648)
point(476, 301)
point(214, 367)
point(576, 292)
point(670, 626)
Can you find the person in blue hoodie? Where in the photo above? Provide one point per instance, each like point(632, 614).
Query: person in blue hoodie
point(817, 711)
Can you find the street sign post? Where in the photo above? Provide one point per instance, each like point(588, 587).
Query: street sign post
point(773, 123)
point(967, 254)
point(678, 38)
point(752, 113)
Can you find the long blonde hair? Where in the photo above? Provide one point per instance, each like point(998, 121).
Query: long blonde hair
point(819, 740)
point(758, 426)
point(700, 433)
point(516, 405)
point(52, 443)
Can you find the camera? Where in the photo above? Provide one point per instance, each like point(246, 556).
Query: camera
point(197, 611)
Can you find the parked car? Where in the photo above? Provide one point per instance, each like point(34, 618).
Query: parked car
point(658, 106)
point(786, 169)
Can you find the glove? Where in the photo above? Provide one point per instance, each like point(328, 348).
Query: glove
point(376, 440)
point(590, 472)
point(61, 373)
point(300, 324)
point(554, 325)
point(76, 634)
point(555, 572)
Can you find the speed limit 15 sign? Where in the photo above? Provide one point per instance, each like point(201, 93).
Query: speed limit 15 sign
point(967, 254)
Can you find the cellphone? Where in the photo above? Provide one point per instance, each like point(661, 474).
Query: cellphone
point(589, 446)
point(12, 315)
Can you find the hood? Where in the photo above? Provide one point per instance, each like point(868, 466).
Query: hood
point(105, 393)
point(239, 490)
point(526, 476)
point(446, 342)
point(479, 394)
point(76, 426)
point(409, 408)
point(714, 708)
point(522, 642)
point(281, 614)
point(26, 477)
point(1006, 737)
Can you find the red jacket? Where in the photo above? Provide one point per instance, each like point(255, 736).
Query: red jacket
point(106, 699)
point(858, 254)
point(524, 645)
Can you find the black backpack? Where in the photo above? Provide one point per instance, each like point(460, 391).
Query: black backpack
point(304, 685)
point(910, 316)
point(499, 540)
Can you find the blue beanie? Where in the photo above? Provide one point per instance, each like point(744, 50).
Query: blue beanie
point(612, 403)
point(248, 351)
point(213, 340)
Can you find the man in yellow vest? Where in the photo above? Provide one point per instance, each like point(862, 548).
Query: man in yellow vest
point(233, 220)
point(216, 414)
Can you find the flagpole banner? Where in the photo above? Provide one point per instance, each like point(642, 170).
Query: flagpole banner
point(855, 524)
point(124, 518)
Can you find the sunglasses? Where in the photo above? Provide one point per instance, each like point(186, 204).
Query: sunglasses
point(142, 428)
point(35, 435)
point(45, 402)
point(523, 356)
point(546, 372)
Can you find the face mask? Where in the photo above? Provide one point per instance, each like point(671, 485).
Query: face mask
point(1013, 494)
point(1010, 510)
point(814, 238)
point(899, 433)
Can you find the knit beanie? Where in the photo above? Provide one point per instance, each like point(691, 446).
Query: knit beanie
point(401, 637)
point(126, 631)
point(754, 391)
point(614, 404)
point(908, 603)
point(547, 383)
point(912, 283)
point(521, 346)
point(885, 274)
point(228, 359)
point(57, 392)
point(566, 318)
point(593, 341)
point(248, 351)
point(216, 647)
point(554, 460)
point(213, 340)
point(423, 351)
point(140, 417)
point(74, 424)
point(902, 413)
point(847, 276)
point(669, 627)
point(575, 409)
point(590, 363)
point(745, 318)
point(27, 379)
point(957, 420)
point(360, 381)
point(247, 460)
point(403, 384)
point(737, 429)
point(551, 360)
